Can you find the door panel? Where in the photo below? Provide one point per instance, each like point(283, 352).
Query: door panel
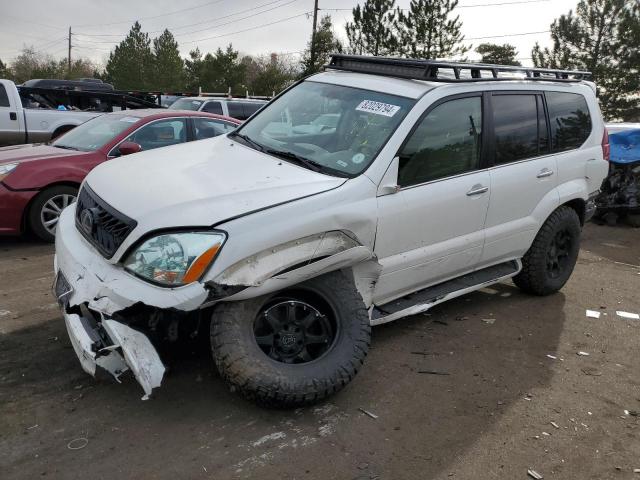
point(429, 233)
point(523, 178)
point(11, 120)
point(432, 228)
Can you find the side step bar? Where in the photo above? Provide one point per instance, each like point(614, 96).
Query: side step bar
point(423, 300)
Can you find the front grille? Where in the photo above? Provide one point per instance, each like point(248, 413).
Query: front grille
point(102, 225)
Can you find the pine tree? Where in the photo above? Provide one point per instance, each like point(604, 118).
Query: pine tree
point(325, 44)
point(498, 54)
point(429, 30)
point(4, 71)
point(370, 33)
point(193, 70)
point(130, 65)
point(602, 36)
point(269, 74)
point(222, 71)
point(169, 66)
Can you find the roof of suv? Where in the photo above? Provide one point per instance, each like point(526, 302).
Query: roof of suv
point(224, 99)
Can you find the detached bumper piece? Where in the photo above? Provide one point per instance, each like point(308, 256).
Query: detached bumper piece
point(114, 347)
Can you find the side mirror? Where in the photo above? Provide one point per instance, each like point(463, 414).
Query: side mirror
point(127, 148)
point(389, 184)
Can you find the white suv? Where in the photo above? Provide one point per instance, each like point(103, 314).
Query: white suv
point(432, 181)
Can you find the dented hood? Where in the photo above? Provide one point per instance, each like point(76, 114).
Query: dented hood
point(201, 183)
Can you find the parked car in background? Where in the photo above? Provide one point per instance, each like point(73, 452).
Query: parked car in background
point(240, 108)
point(424, 188)
point(28, 123)
point(38, 181)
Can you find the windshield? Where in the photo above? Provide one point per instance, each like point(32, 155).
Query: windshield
point(95, 133)
point(186, 104)
point(336, 128)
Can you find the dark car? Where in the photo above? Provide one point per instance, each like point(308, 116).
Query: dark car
point(38, 180)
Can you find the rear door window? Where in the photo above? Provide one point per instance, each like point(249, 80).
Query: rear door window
point(209, 128)
point(213, 107)
point(570, 120)
point(520, 127)
point(236, 110)
point(4, 98)
point(446, 142)
point(249, 108)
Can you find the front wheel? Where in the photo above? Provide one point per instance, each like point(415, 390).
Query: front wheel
point(548, 264)
point(46, 209)
point(294, 347)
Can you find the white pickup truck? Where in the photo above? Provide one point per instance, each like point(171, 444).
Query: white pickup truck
point(20, 124)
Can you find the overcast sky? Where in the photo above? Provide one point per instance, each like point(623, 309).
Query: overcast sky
point(97, 25)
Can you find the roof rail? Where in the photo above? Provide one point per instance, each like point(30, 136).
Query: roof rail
point(442, 71)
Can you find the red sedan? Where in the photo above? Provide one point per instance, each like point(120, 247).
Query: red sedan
point(38, 181)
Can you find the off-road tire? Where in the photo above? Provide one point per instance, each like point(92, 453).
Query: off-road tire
point(259, 378)
point(33, 218)
point(534, 277)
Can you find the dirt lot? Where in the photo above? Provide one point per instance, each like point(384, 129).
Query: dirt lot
point(488, 417)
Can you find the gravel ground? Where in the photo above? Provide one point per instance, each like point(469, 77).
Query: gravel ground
point(513, 394)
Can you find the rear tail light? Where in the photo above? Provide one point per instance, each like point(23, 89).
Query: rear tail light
point(606, 148)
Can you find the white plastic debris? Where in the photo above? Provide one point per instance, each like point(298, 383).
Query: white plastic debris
point(368, 413)
point(593, 314)
point(583, 354)
point(555, 424)
point(489, 321)
point(552, 357)
point(534, 474)
point(630, 316)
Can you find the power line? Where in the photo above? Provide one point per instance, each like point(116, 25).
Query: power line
point(459, 6)
point(212, 26)
point(152, 17)
point(253, 9)
point(507, 35)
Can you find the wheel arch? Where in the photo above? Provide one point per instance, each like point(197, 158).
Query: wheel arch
point(580, 207)
point(29, 206)
point(296, 261)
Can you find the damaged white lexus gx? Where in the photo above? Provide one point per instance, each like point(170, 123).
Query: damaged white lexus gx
point(366, 193)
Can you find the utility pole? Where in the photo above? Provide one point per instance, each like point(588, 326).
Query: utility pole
point(69, 56)
point(313, 34)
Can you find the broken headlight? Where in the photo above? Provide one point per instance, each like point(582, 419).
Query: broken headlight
point(175, 259)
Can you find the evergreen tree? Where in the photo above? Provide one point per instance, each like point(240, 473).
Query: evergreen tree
point(4, 71)
point(222, 71)
point(602, 36)
point(498, 54)
point(429, 30)
point(269, 74)
point(370, 33)
point(193, 70)
point(325, 44)
point(130, 65)
point(169, 66)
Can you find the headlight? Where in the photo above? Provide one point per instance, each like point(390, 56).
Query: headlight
point(175, 259)
point(6, 169)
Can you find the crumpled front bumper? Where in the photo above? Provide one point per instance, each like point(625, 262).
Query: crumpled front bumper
point(94, 294)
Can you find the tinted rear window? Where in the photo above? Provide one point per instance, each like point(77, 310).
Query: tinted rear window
point(235, 110)
point(570, 120)
point(212, 107)
point(520, 127)
point(251, 108)
point(4, 99)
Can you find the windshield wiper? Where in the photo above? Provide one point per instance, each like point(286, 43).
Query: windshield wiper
point(66, 147)
point(300, 160)
point(255, 145)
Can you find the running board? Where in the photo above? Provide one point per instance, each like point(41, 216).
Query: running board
point(423, 300)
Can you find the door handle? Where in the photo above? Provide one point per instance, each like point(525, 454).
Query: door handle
point(477, 190)
point(13, 116)
point(545, 172)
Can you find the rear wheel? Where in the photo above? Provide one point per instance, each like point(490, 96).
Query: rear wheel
point(294, 347)
point(548, 264)
point(46, 209)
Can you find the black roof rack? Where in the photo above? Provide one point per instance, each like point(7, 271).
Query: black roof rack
point(442, 71)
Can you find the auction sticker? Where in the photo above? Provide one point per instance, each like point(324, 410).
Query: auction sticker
point(379, 108)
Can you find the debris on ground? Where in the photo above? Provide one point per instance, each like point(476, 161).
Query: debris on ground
point(593, 314)
point(632, 413)
point(433, 372)
point(555, 424)
point(592, 372)
point(534, 474)
point(368, 413)
point(552, 357)
point(489, 321)
point(583, 354)
point(629, 315)
point(78, 443)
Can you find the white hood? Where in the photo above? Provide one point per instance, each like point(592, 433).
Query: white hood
point(201, 183)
